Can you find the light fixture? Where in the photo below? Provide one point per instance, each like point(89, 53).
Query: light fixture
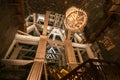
point(75, 19)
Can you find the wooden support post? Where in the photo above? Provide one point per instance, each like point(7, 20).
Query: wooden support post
point(10, 48)
point(79, 55)
point(15, 52)
point(63, 59)
point(34, 23)
point(46, 23)
point(34, 18)
point(69, 35)
point(39, 61)
point(36, 71)
point(78, 52)
point(72, 63)
point(90, 52)
point(46, 75)
point(41, 50)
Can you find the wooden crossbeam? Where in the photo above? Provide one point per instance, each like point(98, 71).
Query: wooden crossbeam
point(56, 42)
point(16, 62)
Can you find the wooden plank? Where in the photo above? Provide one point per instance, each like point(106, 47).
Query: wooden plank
point(46, 23)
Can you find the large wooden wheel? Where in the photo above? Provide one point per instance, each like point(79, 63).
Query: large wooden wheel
point(75, 19)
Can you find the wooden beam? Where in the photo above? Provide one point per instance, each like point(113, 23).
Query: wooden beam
point(27, 39)
point(36, 71)
point(28, 50)
point(10, 48)
point(37, 68)
point(78, 38)
point(15, 52)
point(69, 35)
point(45, 69)
point(41, 50)
point(79, 55)
point(23, 33)
point(78, 52)
point(34, 18)
point(79, 45)
point(72, 63)
point(46, 23)
point(30, 28)
point(16, 62)
point(90, 53)
point(56, 42)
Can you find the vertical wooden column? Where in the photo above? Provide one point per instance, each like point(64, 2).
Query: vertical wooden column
point(71, 60)
point(79, 55)
point(10, 48)
point(90, 52)
point(36, 71)
point(69, 35)
point(78, 52)
point(46, 23)
point(37, 68)
point(41, 50)
point(15, 52)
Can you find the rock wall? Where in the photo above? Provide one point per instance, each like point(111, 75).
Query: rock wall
point(8, 24)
